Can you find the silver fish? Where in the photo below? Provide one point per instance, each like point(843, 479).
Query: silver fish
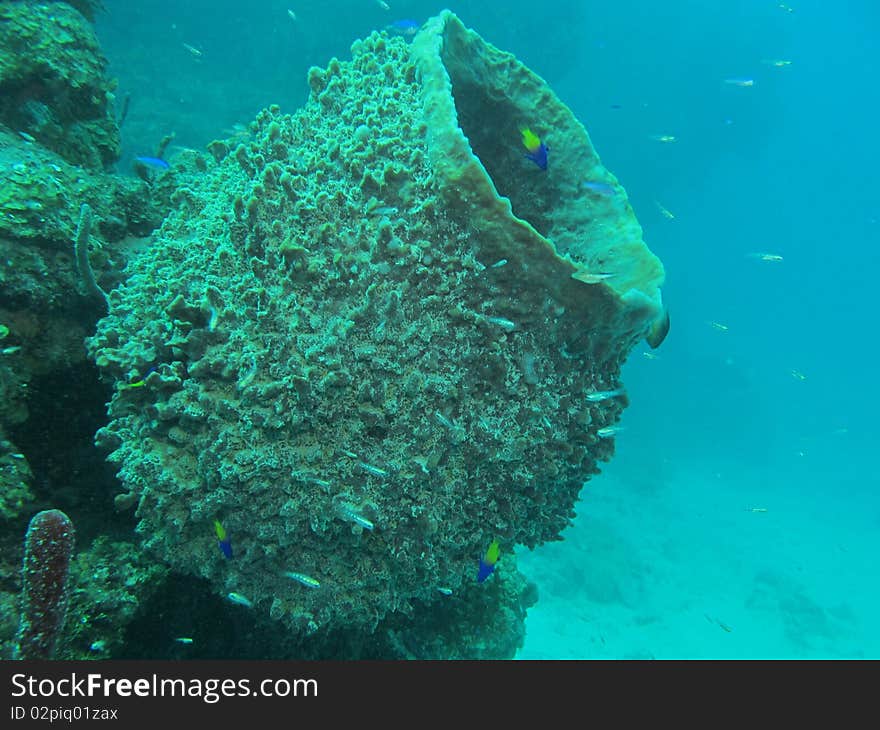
point(240, 600)
point(304, 579)
point(599, 188)
point(597, 396)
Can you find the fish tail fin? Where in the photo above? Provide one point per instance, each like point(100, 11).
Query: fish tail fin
point(658, 330)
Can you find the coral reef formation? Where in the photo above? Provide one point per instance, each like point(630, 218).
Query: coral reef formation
point(53, 86)
point(47, 554)
point(58, 136)
point(374, 339)
point(15, 477)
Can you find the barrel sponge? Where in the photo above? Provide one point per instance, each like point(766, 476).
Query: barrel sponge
point(476, 100)
point(372, 361)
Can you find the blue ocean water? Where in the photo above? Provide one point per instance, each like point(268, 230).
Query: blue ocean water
point(740, 515)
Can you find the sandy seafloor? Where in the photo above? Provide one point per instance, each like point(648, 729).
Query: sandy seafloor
point(680, 567)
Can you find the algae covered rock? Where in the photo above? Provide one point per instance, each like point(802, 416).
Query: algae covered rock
point(364, 344)
point(15, 472)
point(53, 86)
point(110, 581)
point(44, 313)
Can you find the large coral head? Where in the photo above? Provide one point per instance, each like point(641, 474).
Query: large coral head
point(47, 552)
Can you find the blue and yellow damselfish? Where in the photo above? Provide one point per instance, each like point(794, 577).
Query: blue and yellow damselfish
point(487, 562)
point(223, 539)
point(536, 150)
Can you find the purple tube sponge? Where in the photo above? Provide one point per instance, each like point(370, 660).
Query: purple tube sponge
point(48, 547)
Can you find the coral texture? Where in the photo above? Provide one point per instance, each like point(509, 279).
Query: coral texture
point(359, 345)
point(52, 83)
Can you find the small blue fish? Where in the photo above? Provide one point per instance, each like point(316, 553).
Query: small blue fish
point(740, 81)
point(153, 162)
point(404, 27)
point(599, 188)
point(140, 383)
